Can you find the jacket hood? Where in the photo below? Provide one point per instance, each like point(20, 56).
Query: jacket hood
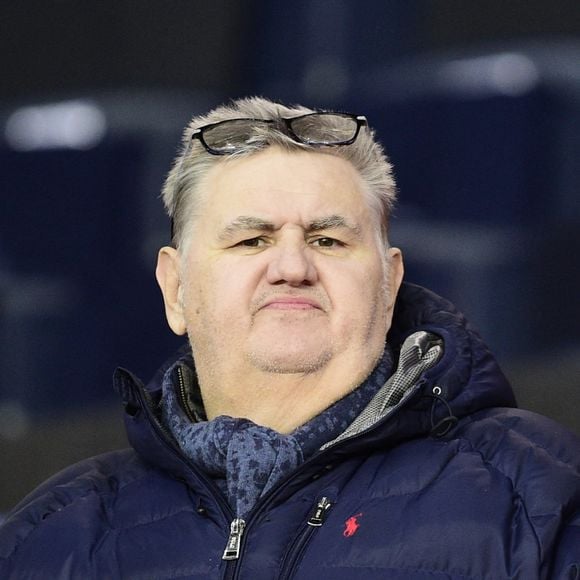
point(468, 375)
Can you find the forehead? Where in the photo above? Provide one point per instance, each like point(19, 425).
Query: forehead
point(296, 185)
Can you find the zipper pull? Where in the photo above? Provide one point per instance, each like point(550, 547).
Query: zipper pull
point(232, 551)
point(318, 514)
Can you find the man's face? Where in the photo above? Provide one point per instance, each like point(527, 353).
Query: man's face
point(284, 272)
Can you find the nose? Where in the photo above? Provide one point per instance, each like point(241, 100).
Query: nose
point(292, 265)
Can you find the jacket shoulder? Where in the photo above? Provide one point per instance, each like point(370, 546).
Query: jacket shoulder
point(523, 445)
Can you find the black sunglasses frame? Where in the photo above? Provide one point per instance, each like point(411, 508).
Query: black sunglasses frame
point(286, 124)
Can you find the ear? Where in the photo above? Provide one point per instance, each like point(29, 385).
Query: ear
point(169, 280)
point(396, 270)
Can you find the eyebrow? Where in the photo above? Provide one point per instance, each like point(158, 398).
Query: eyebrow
point(251, 223)
point(245, 222)
point(332, 222)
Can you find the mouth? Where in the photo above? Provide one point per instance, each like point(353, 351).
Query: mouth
point(291, 303)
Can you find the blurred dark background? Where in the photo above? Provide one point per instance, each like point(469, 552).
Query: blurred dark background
point(478, 105)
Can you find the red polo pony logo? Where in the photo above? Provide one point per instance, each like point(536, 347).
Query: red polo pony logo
point(351, 526)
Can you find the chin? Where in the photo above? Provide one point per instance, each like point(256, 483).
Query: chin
point(289, 361)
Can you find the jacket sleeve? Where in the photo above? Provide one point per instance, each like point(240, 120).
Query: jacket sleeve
point(567, 555)
point(57, 548)
point(56, 530)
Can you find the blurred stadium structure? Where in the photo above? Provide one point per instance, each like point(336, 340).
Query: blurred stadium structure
point(485, 139)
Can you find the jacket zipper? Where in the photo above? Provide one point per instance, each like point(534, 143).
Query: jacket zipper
point(182, 394)
point(237, 525)
point(240, 524)
point(232, 551)
point(294, 554)
point(234, 545)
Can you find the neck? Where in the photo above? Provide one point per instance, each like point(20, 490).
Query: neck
point(280, 401)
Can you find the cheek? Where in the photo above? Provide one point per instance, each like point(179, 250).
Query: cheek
point(196, 283)
point(219, 291)
point(359, 292)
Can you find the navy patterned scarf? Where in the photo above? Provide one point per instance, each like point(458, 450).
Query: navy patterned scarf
point(246, 460)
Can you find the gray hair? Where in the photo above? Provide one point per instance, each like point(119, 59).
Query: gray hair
point(183, 185)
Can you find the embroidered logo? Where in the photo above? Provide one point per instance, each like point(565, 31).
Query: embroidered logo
point(351, 526)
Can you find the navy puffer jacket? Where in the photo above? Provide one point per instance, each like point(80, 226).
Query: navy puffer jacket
point(496, 496)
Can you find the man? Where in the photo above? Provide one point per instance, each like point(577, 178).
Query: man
point(326, 420)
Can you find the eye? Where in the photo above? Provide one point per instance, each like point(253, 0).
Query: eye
point(252, 243)
point(327, 243)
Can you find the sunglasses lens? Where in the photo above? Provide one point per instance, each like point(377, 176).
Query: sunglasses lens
point(229, 136)
point(325, 128)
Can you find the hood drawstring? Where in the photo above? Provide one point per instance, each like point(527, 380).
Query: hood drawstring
point(444, 425)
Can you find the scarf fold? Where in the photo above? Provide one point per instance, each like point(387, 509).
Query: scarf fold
point(247, 460)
